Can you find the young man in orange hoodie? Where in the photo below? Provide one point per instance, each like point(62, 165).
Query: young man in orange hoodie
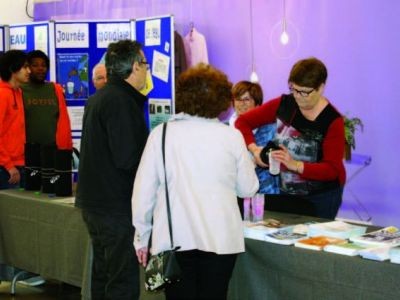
point(14, 71)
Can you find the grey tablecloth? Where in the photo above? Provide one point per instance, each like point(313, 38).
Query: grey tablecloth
point(41, 235)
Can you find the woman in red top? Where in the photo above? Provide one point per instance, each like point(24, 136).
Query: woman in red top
point(310, 133)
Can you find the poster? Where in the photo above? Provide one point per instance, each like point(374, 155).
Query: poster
point(72, 74)
point(1, 40)
point(41, 38)
point(161, 65)
point(76, 116)
point(18, 39)
point(159, 111)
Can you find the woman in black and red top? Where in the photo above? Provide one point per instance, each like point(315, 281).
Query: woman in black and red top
point(310, 132)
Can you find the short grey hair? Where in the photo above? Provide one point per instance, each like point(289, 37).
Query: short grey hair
point(120, 57)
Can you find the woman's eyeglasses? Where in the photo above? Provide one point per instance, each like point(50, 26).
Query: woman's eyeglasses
point(300, 92)
point(244, 99)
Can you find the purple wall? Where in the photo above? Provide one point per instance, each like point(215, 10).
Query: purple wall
point(358, 41)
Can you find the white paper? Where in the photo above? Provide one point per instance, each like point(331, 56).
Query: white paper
point(41, 37)
point(112, 32)
point(18, 38)
point(76, 117)
point(1, 40)
point(166, 47)
point(152, 32)
point(74, 35)
point(160, 65)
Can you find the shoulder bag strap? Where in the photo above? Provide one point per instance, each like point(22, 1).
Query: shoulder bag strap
point(166, 187)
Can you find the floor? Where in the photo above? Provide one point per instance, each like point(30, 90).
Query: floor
point(51, 290)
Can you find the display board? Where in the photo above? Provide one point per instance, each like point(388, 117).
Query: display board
point(30, 36)
point(3, 38)
point(79, 46)
point(33, 36)
point(156, 34)
point(75, 47)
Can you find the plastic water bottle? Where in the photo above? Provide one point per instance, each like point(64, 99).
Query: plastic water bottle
point(257, 207)
point(274, 165)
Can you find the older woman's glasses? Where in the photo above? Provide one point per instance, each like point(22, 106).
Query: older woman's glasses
point(244, 99)
point(300, 92)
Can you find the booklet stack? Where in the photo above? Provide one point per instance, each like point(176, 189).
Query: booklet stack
point(348, 248)
point(318, 242)
point(388, 236)
point(337, 229)
point(376, 253)
point(287, 235)
point(258, 230)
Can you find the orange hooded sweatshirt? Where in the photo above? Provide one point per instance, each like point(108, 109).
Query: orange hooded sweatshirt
point(63, 133)
point(12, 127)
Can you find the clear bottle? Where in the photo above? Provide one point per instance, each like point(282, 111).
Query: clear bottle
point(274, 165)
point(257, 207)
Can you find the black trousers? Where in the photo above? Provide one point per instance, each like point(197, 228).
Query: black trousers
point(115, 271)
point(205, 275)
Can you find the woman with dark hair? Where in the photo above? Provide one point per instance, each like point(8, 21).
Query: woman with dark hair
point(310, 132)
point(246, 96)
point(207, 165)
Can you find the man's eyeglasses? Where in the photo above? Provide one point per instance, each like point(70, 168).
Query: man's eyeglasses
point(244, 99)
point(301, 93)
point(145, 63)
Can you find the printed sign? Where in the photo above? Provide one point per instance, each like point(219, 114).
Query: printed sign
point(72, 74)
point(18, 38)
point(112, 32)
point(74, 35)
point(160, 65)
point(159, 111)
point(152, 32)
point(1, 39)
point(41, 36)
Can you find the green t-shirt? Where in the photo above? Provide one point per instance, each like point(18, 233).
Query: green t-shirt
point(41, 113)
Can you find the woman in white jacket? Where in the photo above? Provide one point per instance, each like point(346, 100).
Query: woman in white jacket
point(207, 166)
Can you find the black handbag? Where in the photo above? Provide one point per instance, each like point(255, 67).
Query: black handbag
point(163, 269)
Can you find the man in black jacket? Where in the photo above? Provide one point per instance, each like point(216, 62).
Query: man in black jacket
point(113, 138)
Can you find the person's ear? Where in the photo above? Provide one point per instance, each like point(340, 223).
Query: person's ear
point(135, 67)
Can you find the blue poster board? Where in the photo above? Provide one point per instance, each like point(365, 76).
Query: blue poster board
point(156, 34)
point(3, 38)
point(30, 36)
point(79, 46)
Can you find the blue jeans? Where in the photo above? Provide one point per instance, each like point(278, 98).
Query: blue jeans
point(5, 176)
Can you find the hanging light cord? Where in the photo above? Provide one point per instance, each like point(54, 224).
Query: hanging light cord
point(251, 35)
point(284, 15)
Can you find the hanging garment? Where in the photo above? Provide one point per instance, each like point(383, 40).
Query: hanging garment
point(195, 48)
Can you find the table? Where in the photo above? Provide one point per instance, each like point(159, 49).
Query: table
point(47, 235)
point(44, 235)
point(276, 272)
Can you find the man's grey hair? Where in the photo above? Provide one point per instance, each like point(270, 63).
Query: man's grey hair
point(120, 57)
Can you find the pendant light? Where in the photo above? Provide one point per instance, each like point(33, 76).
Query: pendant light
point(253, 75)
point(284, 38)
